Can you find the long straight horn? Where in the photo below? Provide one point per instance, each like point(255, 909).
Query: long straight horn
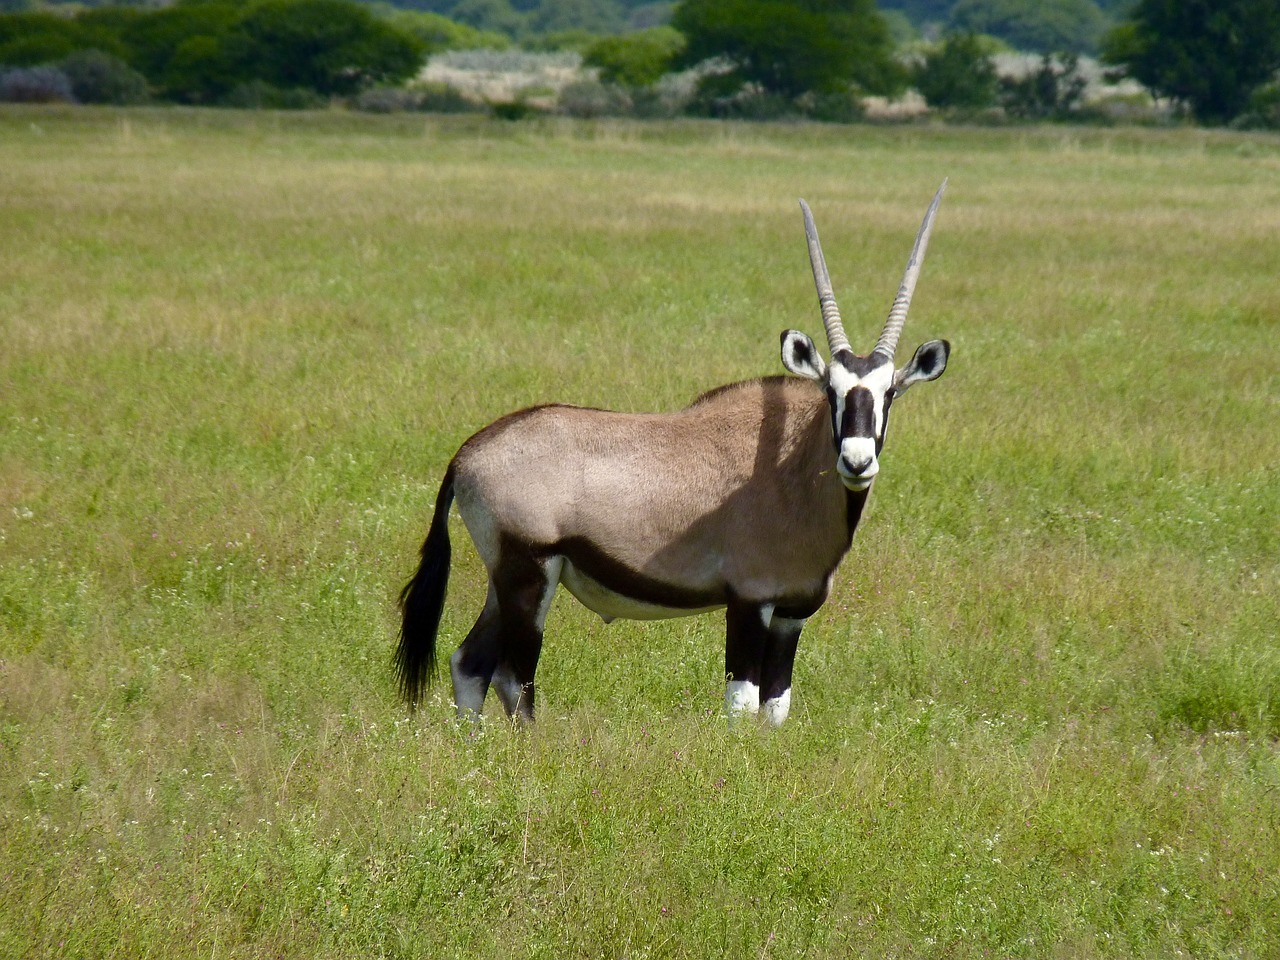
point(888, 342)
point(826, 298)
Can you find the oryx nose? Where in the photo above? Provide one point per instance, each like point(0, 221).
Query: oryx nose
point(857, 464)
point(860, 466)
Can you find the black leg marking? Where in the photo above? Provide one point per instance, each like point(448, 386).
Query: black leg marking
point(524, 584)
point(760, 652)
point(779, 659)
point(746, 639)
point(473, 663)
point(503, 647)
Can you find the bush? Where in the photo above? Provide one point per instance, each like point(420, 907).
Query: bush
point(514, 110)
point(205, 69)
point(842, 107)
point(1051, 92)
point(1263, 112)
point(333, 47)
point(667, 98)
point(959, 72)
point(575, 41)
point(635, 59)
point(437, 32)
point(1040, 26)
point(32, 39)
point(422, 97)
point(35, 85)
point(442, 98)
point(791, 48)
point(98, 77)
point(260, 95)
point(591, 98)
point(385, 100)
point(725, 97)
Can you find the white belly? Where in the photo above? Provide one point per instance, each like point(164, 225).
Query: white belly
point(610, 605)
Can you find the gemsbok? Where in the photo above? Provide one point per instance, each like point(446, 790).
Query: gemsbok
point(747, 499)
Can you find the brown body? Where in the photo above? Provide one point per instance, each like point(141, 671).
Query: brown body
point(674, 512)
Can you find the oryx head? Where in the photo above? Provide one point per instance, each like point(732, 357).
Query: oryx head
point(860, 389)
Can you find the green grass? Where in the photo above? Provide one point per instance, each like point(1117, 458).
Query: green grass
point(1038, 717)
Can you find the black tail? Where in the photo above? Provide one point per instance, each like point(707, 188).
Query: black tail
point(422, 602)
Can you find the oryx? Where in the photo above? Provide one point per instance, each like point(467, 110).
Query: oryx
point(747, 499)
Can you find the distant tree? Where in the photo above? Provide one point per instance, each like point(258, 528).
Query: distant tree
point(1053, 91)
point(1209, 54)
point(98, 77)
point(921, 11)
point(635, 59)
point(29, 39)
point(333, 47)
point(1045, 26)
point(152, 38)
point(792, 47)
point(496, 15)
point(204, 69)
point(642, 16)
point(438, 32)
point(198, 51)
point(959, 72)
point(594, 16)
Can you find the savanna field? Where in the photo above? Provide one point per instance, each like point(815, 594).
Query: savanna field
point(1038, 717)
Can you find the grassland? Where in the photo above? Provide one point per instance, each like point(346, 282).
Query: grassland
point(1039, 716)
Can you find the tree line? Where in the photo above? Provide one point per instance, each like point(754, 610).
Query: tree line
point(1219, 60)
point(202, 51)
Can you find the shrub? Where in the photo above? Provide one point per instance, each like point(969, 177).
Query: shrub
point(959, 72)
point(635, 59)
point(1053, 91)
point(513, 110)
point(574, 41)
point(98, 77)
point(35, 85)
point(724, 96)
point(667, 98)
point(260, 95)
point(437, 32)
point(204, 69)
point(333, 47)
point(835, 107)
point(385, 100)
point(591, 98)
point(791, 48)
point(32, 39)
point(424, 97)
point(1263, 112)
point(443, 98)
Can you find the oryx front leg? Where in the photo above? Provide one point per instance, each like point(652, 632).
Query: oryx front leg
point(760, 651)
point(779, 659)
point(746, 638)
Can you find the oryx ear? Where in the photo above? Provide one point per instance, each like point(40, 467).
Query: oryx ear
point(801, 357)
point(928, 363)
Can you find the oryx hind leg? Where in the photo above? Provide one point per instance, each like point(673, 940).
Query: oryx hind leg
point(526, 584)
point(473, 663)
point(503, 647)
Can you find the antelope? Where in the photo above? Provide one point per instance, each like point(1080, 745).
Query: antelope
point(745, 500)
